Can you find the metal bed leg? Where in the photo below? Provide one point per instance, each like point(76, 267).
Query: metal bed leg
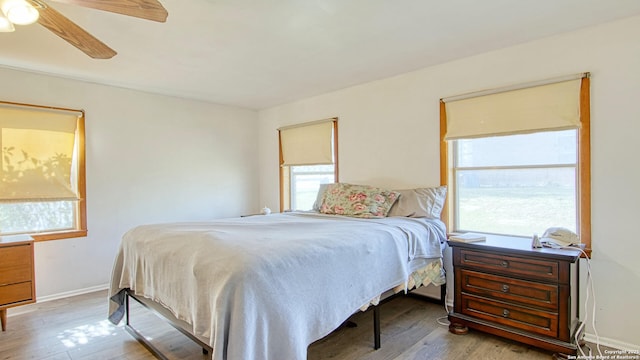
point(376, 327)
point(146, 343)
point(137, 335)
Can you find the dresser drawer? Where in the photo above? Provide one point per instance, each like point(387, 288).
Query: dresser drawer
point(16, 264)
point(539, 322)
point(523, 292)
point(10, 294)
point(534, 269)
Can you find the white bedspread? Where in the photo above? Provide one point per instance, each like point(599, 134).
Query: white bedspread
point(265, 287)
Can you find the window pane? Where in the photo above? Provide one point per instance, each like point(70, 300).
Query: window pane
point(36, 217)
point(305, 182)
point(516, 201)
point(545, 148)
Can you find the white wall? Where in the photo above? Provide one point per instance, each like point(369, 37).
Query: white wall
point(389, 131)
point(149, 158)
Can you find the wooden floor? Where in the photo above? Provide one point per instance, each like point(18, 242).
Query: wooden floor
point(76, 328)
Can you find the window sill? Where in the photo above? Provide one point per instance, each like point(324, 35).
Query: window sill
point(59, 235)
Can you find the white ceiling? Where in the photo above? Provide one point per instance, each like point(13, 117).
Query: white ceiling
point(261, 53)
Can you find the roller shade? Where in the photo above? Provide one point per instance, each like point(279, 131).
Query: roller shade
point(309, 144)
point(37, 154)
point(554, 106)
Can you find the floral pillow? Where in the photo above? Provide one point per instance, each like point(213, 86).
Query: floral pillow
point(357, 200)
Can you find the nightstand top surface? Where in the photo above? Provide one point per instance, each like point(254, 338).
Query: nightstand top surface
point(15, 239)
point(517, 246)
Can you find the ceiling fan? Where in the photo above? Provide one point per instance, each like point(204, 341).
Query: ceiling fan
point(23, 12)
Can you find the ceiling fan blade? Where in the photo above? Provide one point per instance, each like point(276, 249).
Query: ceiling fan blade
point(74, 34)
point(144, 9)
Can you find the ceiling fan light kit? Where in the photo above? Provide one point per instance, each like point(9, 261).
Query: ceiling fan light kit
point(24, 12)
point(18, 12)
point(5, 24)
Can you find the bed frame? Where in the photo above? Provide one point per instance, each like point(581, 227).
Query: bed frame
point(208, 350)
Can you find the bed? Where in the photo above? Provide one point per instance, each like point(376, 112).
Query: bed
point(268, 286)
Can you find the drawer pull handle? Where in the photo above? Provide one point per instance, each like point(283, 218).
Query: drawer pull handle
point(504, 263)
point(505, 313)
point(505, 288)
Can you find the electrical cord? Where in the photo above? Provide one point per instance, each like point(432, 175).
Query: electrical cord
point(589, 288)
point(444, 320)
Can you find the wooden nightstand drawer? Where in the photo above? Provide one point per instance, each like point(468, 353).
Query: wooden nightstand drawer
point(15, 293)
point(16, 264)
point(522, 292)
point(17, 285)
point(535, 269)
point(539, 322)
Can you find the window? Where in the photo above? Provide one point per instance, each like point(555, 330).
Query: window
point(517, 161)
point(308, 158)
point(42, 175)
point(305, 182)
point(517, 184)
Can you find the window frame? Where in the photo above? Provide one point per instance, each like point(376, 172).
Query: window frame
point(80, 213)
point(285, 171)
point(583, 200)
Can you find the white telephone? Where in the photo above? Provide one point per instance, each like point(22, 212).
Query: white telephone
point(557, 237)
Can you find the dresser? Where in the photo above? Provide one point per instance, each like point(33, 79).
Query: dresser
point(17, 285)
point(506, 288)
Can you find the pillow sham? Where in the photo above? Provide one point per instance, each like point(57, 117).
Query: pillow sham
point(420, 202)
point(362, 201)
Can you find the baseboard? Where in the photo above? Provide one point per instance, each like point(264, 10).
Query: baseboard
point(616, 344)
point(43, 299)
point(67, 294)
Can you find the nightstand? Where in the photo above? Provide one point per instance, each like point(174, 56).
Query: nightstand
point(506, 288)
point(17, 284)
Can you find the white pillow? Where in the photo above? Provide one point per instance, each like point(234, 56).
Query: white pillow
point(420, 202)
point(318, 202)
